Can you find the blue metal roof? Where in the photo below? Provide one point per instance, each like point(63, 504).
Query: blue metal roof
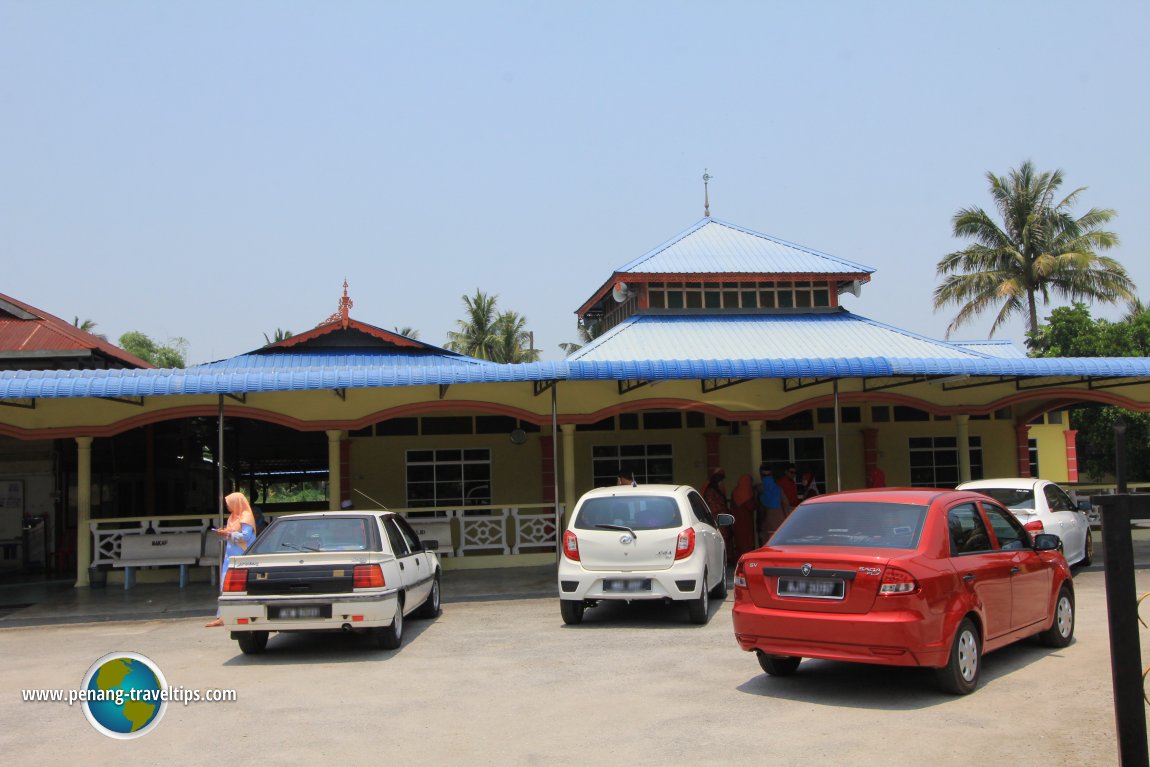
point(717, 247)
point(645, 347)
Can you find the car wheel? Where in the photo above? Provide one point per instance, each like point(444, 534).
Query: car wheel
point(699, 609)
point(1061, 629)
point(778, 665)
point(960, 675)
point(431, 607)
point(252, 642)
point(1088, 556)
point(390, 637)
point(572, 611)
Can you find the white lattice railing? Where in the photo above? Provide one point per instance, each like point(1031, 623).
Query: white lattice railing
point(524, 529)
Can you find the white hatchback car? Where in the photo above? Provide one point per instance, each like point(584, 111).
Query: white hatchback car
point(1044, 507)
point(642, 543)
point(336, 570)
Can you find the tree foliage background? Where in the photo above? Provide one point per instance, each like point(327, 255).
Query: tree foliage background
point(173, 354)
point(1072, 332)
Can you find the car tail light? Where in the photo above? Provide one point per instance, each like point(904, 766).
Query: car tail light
point(740, 575)
point(1035, 527)
point(367, 577)
point(236, 579)
point(570, 545)
point(686, 543)
point(895, 581)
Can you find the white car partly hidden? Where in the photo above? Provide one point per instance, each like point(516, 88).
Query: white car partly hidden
point(1044, 507)
point(651, 542)
point(335, 571)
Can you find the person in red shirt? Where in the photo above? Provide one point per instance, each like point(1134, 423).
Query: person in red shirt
point(789, 487)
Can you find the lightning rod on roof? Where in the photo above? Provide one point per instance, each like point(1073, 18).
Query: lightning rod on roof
point(706, 196)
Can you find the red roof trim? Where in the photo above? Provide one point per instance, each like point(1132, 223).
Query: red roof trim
point(332, 326)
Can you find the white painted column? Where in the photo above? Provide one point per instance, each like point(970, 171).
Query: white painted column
point(334, 481)
point(83, 509)
point(963, 424)
point(569, 498)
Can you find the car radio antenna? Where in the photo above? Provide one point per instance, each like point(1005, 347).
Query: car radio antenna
point(368, 497)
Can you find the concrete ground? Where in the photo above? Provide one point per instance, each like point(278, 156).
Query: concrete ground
point(503, 681)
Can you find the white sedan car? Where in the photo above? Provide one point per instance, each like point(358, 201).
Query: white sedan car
point(1044, 507)
point(650, 542)
point(337, 570)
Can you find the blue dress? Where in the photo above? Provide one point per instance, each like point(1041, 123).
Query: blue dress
point(237, 543)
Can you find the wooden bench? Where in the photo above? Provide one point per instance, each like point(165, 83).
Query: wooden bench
point(159, 549)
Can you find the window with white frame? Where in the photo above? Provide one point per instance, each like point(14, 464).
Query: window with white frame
point(449, 477)
point(934, 461)
point(649, 463)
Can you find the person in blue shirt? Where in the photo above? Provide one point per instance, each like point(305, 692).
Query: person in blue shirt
point(772, 504)
point(238, 533)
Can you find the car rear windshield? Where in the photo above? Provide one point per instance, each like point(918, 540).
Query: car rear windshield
point(318, 534)
point(1010, 497)
point(853, 523)
point(636, 512)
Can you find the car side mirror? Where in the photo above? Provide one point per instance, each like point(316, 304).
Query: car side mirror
point(725, 520)
point(1084, 505)
point(1047, 542)
point(430, 545)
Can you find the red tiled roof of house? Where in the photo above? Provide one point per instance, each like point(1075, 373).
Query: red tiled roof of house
point(27, 331)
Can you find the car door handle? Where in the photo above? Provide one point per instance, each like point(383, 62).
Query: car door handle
point(969, 577)
point(1015, 570)
point(400, 565)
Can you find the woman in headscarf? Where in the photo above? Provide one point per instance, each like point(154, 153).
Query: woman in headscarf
point(743, 506)
point(239, 532)
point(715, 496)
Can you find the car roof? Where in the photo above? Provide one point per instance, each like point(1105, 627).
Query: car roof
point(337, 514)
point(913, 495)
point(610, 490)
point(1013, 483)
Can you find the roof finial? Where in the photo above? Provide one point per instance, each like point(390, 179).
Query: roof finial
point(345, 305)
point(706, 195)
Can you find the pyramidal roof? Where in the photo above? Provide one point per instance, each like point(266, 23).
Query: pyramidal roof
point(716, 247)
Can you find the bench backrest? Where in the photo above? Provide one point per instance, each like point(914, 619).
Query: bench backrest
point(161, 546)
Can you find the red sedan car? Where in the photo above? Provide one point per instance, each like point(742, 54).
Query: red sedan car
point(901, 577)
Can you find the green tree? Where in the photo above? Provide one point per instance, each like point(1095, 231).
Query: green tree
point(489, 334)
point(1071, 332)
point(409, 332)
point(476, 332)
point(88, 326)
point(1039, 249)
point(587, 334)
point(513, 342)
point(279, 335)
point(170, 355)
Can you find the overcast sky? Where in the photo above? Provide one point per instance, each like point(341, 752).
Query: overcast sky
point(215, 170)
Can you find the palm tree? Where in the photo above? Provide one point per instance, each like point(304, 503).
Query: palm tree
point(88, 326)
point(1039, 249)
point(280, 335)
point(513, 340)
point(587, 334)
point(409, 332)
point(477, 332)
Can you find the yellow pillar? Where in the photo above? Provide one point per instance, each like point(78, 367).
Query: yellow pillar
point(83, 509)
point(755, 431)
point(333, 469)
point(963, 424)
point(569, 498)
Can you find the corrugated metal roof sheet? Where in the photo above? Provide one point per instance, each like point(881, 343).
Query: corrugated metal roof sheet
point(1004, 349)
point(646, 347)
point(802, 337)
point(713, 246)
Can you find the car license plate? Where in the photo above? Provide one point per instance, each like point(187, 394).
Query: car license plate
point(627, 584)
point(812, 588)
point(300, 612)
